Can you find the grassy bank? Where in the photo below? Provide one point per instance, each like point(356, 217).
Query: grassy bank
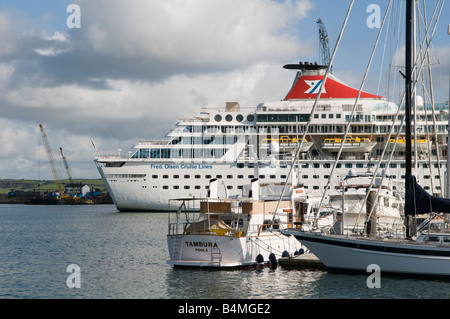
point(6, 185)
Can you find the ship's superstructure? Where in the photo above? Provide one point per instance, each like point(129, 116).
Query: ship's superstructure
point(237, 144)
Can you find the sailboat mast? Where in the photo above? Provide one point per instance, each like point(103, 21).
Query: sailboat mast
point(408, 82)
point(408, 74)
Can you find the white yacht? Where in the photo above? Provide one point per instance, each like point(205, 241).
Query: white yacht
point(239, 232)
point(237, 144)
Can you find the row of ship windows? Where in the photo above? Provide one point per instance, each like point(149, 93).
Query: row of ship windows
point(218, 176)
point(271, 176)
point(131, 176)
point(241, 187)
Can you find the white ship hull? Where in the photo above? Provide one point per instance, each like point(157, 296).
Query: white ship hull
point(138, 187)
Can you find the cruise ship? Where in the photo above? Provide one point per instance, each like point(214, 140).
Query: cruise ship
point(236, 144)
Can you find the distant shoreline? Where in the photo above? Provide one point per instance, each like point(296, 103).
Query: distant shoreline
point(20, 191)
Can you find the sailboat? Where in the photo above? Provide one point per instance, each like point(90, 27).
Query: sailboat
point(425, 255)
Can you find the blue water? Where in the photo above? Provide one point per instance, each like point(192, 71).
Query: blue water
point(123, 255)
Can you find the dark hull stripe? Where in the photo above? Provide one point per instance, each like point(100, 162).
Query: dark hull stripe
point(420, 251)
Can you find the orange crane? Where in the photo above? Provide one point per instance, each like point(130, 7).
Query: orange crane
point(66, 165)
point(52, 162)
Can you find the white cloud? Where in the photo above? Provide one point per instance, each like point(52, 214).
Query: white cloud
point(193, 32)
point(7, 35)
point(133, 69)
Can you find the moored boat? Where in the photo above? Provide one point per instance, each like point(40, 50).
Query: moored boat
point(230, 232)
point(414, 253)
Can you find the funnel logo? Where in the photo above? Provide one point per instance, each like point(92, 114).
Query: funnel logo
point(314, 87)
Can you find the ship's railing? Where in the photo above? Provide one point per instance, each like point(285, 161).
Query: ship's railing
point(112, 157)
point(154, 142)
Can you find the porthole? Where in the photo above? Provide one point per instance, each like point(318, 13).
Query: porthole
point(239, 117)
point(250, 117)
point(228, 117)
point(218, 118)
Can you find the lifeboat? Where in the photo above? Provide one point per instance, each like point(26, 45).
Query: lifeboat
point(422, 144)
point(351, 144)
point(285, 143)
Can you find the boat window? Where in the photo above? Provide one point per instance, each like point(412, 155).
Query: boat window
point(176, 187)
point(155, 153)
point(187, 176)
point(239, 117)
point(165, 176)
point(165, 153)
point(197, 176)
point(187, 187)
point(433, 239)
point(176, 176)
point(198, 187)
point(218, 118)
point(155, 176)
point(240, 165)
point(165, 187)
point(228, 117)
point(229, 176)
point(250, 117)
point(144, 153)
point(240, 176)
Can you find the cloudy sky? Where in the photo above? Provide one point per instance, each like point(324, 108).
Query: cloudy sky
point(134, 67)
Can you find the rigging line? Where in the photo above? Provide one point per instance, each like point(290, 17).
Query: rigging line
point(382, 59)
point(355, 104)
point(316, 100)
point(432, 105)
point(392, 127)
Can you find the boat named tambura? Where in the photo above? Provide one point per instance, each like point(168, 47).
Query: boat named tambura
point(232, 232)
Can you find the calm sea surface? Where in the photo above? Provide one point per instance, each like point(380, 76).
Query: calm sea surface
point(123, 255)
